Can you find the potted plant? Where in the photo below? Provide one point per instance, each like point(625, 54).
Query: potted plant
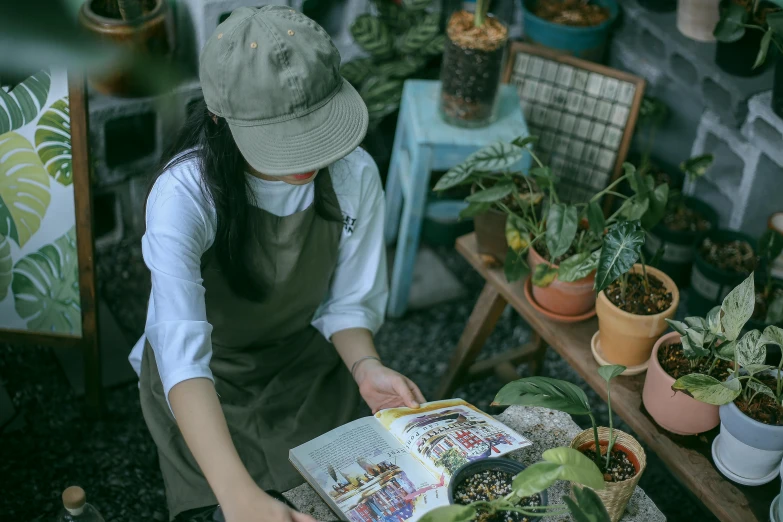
point(685, 220)
point(750, 445)
point(619, 457)
point(696, 19)
point(471, 68)
point(776, 508)
point(744, 33)
point(696, 345)
point(141, 26)
point(399, 41)
point(723, 259)
point(580, 28)
point(469, 496)
point(634, 299)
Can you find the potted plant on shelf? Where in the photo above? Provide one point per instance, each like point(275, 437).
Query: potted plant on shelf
point(723, 259)
point(580, 28)
point(750, 445)
point(471, 68)
point(141, 26)
point(514, 488)
point(696, 19)
point(620, 458)
point(696, 345)
point(399, 42)
point(744, 33)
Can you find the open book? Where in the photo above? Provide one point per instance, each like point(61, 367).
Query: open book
point(397, 464)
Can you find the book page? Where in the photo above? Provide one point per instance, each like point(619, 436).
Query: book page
point(365, 474)
point(448, 434)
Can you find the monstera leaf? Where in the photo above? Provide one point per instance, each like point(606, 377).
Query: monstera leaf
point(46, 287)
point(53, 141)
point(24, 188)
point(6, 265)
point(373, 36)
point(22, 105)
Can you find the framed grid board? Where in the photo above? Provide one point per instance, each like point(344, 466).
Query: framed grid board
point(583, 113)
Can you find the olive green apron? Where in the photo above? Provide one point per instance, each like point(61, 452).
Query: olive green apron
point(280, 382)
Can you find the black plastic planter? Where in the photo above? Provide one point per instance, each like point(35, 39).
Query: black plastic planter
point(709, 284)
point(680, 246)
point(659, 6)
point(500, 464)
point(738, 57)
point(777, 88)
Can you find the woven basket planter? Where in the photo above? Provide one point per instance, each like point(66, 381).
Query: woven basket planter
point(615, 495)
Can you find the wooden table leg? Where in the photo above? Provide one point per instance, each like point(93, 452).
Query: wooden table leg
point(536, 362)
point(482, 321)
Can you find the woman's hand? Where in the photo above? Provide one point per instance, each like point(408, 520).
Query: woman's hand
point(382, 387)
point(256, 506)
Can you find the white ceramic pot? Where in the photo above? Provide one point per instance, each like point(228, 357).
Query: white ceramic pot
point(776, 509)
point(747, 451)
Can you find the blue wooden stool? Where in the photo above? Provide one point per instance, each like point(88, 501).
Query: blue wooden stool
point(424, 142)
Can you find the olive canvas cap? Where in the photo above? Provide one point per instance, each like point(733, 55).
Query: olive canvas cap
point(274, 75)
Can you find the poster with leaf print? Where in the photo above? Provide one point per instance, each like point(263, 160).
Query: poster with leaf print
point(39, 268)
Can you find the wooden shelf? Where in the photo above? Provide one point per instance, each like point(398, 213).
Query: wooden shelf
point(689, 458)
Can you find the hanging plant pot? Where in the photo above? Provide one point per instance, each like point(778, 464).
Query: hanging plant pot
point(724, 258)
point(777, 88)
point(679, 234)
point(696, 19)
point(148, 31)
point(586, 38)
point(738, 57)
point(471, 69)
point(659, 6)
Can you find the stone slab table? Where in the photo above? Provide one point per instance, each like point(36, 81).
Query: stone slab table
point(545, 429)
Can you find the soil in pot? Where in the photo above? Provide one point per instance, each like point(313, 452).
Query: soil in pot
point(620, 465)
point(684, 219)
point(638, 299)
point(470, 73)
point(676, 365)
point(764, 408)
point(577, 13)
point(491, 484)
point(731, 256)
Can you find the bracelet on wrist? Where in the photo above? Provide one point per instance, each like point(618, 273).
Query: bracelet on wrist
point(359, 361)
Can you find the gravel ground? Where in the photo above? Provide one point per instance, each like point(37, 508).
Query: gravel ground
point(115, 459)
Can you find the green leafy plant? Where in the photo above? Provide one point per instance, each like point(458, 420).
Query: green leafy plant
point(536, 214)
point(703, 340)
point(399, 41)
point(738, 17)
point(748, 353)
point(53, 141)
point(563, 396)
point(653, 113)
point(20, 105)
point(557, 464)
point(770, 247)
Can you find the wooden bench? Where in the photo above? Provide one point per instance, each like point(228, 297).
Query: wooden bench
point(688, 458)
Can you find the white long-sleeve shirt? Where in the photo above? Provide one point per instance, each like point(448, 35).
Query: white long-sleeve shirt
point(181, 227)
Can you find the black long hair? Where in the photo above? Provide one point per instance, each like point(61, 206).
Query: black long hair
point(209, 142)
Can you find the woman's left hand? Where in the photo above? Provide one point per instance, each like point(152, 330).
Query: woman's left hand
point(382, 387)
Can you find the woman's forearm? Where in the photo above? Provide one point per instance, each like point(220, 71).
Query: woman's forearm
point(354, 344)
point(202, 423)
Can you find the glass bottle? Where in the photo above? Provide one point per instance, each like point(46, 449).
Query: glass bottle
point(76, 508)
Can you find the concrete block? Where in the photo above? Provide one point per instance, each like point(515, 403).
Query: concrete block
point(119, 212)
point(764, 128)
point(764, 196)
point(691, 64)
point(727, 184)
point(107, 216)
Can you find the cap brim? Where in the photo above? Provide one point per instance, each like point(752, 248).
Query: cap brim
point(309, 142)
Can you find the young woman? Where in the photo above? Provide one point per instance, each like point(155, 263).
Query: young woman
point(264, 238)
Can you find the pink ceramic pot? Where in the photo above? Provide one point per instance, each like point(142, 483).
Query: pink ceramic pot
point(563, 298)
point(674, 411)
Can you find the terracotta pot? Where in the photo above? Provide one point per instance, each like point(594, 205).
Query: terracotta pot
point(615, 495)
point(490, 230)
point(152, 34)
point(628, 338)
point(560, 297)
point(674, 411)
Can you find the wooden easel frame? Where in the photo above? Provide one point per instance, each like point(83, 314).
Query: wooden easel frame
point(603, 70)
point(88, 341)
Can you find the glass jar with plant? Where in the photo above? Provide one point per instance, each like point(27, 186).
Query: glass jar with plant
point(558, 242)
point(746, 30)
point(618, 456)
point(750, 445)
point(472, 65)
